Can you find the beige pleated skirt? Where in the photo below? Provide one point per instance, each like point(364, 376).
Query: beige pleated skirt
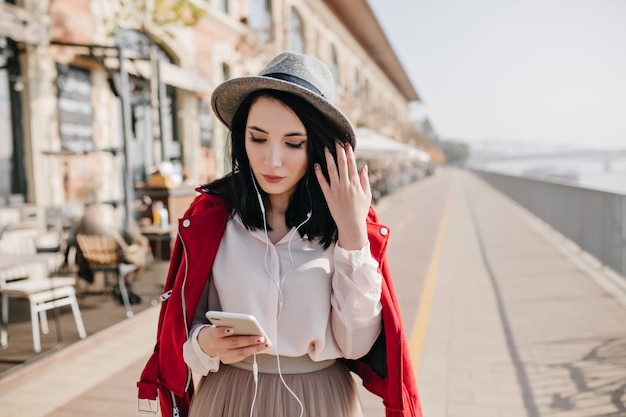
point(327, 392)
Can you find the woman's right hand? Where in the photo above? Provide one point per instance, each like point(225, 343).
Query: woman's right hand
point(219, 342)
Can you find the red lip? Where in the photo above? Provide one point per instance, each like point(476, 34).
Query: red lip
point(272, 178)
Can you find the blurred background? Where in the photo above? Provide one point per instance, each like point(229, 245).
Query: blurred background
point(107, 101)
point(531, 88)
point(105, 108)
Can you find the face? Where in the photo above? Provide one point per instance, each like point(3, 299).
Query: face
point(276, 145)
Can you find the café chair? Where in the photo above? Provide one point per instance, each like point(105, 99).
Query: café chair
point(104, 254)
point(31, 282)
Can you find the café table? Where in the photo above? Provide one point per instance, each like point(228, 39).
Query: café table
point(160, 237)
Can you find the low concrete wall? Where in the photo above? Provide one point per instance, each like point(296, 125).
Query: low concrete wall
point(594, 220)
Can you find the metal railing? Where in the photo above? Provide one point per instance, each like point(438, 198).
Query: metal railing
point(594, 220)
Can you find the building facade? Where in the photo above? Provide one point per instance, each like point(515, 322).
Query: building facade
point(98, 95)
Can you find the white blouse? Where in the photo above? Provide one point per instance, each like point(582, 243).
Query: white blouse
point(324, 303)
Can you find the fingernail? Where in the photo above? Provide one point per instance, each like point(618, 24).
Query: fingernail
point(316, 165)
point(229, 330)
point(259, 340)
point(267, 345)
point(366, 168)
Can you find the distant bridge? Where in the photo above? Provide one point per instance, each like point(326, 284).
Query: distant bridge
point(607, 155)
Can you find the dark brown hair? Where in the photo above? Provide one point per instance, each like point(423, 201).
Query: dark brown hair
point(238, 189)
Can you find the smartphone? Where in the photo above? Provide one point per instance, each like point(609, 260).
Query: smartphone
point(242, 324)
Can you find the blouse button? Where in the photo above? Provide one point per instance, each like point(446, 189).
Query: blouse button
point(186, 223)
point(383, 231)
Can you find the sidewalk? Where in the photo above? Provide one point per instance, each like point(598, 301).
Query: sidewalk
point(89, 378)
point(520, 324)
point(516, 325)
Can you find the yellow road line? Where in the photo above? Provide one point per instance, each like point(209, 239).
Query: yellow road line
point(420, 326)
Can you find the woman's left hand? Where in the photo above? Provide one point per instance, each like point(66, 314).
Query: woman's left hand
point(348, 195)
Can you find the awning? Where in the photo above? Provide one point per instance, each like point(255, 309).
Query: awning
point(373, 145)
point(21, 26)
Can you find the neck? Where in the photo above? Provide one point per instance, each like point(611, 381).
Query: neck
point(279, 204)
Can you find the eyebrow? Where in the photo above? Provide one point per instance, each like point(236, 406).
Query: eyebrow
point(258, 129)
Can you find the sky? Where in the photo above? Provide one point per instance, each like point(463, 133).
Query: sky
point(548, 73)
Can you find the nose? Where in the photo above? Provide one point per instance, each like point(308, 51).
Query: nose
point(274, 156)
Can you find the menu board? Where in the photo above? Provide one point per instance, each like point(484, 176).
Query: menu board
point(75, 110)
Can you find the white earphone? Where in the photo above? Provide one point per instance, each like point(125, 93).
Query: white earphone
point(279, 285)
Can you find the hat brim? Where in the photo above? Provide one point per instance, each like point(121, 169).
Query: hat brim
point(227, 98)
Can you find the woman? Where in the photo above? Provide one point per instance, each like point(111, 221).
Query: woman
point(288, 236)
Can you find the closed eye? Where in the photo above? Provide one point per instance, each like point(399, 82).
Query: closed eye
point(298, 145)
point(292, 145)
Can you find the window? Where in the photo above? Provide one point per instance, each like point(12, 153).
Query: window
point(296, 31)
point(334, 64)
point(6, 135)
point(225, 71)
point(366, 93)
point(142, 156)
point(12, 172)
point(260, 18)
point(222, 5)
point(206, 124)
point(357, 84)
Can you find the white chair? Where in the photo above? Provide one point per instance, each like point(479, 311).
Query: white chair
point(31, 281)
point(25, 242)
point(9, 216)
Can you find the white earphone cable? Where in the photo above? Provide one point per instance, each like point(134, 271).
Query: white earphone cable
point(279, 285)
point(255, 372)
point(280, 309)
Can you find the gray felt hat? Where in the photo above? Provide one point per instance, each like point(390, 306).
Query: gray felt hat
point(302, 75)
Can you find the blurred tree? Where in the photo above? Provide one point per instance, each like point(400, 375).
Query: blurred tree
point(145, 15)
point(455, 152)
point(414, 136)
point(437, 157)
point(167, 12)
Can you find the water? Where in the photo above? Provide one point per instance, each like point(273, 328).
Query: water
point(586, 172)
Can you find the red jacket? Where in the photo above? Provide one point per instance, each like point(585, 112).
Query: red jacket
point(386, 370)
